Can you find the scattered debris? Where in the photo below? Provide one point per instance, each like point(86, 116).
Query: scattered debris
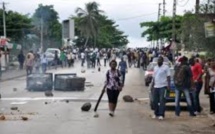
point(96, 115)
point(14, 108)
point(46, 103)
point(14, 89)
point(86, 107)
point(67, 101)
point(128, 98)
point(24, 118)
point(83, 71)
point(213, 125)
point(2, 118)
point(49, 94)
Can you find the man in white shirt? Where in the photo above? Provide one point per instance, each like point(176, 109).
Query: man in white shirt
point(82, 58)
point(161, 83)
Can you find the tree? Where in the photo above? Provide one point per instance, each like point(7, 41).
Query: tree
point(108, 35)
point(17, 25)
point(52, 30)
point(156, 30)
point(88, 20)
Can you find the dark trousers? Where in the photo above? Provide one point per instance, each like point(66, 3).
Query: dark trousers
point(105, 61)
point(159, 98)
point(98, 62)
point(29, 70)
point(21, 65)
point(82, 62)
point(212, 102)
point(123, 73)
point(196, 100)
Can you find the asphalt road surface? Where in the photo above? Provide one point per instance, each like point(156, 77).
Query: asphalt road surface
point(61, 114)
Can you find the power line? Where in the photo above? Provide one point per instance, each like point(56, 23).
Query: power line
point(183, 4)
point(134, 17)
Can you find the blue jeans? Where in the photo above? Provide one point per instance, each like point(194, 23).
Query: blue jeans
point(159, 98)
point(195, 95)
point(44, 67)
point(178, 93)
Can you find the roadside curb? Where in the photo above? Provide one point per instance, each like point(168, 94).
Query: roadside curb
point(211, 117)
point(13, 78)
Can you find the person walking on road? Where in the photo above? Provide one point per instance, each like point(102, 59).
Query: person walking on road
point(98, 59)
point(183, 83)
point(161, 83)
point(114, 86)
point(105, 58)
point(82, 58)
point(123, 69)
point(21, 60)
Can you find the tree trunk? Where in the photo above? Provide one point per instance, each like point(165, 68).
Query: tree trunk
point(86, 41)
point(94, 41)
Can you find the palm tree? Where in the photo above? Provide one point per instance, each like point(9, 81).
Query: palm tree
point(88, 20)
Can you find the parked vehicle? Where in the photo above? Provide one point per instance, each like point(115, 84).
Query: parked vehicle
point(169, 95)
point(50, 53)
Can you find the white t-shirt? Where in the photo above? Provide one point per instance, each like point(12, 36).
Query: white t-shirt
point(82, 55)
point(160, 76)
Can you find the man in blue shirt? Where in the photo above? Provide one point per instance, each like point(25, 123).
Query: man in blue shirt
point(123, 69)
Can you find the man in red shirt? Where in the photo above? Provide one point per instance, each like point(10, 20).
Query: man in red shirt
point(197, 72)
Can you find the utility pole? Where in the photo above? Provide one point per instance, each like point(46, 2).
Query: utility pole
point(5, 32)
point(159, 11)
point(41, 34)
point(197, 6)
point(164, 7)
point(173, 23)
point(4, 21)
point(159, 15)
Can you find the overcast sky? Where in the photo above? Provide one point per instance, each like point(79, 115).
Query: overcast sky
point(127, 13)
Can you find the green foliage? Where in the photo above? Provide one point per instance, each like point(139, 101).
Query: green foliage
point(96, 29)
point(52, 32)
point(162, 29)
point(17, 25)
point(87, 20)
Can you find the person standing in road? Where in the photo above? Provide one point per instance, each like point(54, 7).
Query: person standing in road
point(211, 71)
point(82, 58)
point(183, 83)
point(114, 86)
point(29, 63)
point(161, 82)
point(44, 62)
point(56, 59)
point(21, 60)
point(63, 58)
point(98, 58)
point(197, 78)
point(123, 69)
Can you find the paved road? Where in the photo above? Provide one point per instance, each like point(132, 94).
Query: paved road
point(60, 117)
